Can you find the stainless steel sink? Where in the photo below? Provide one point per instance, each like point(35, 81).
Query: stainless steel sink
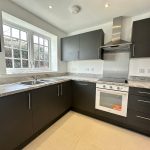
point(32, 82)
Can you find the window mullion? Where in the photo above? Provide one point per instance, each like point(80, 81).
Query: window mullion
point(30, 48)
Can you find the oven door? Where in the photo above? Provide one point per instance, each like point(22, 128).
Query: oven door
point(112, 101)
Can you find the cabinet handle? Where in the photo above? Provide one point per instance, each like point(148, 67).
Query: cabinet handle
point(29, 99)
point(84, 84)
point(144, 93)
point(98, 53)
point(58, 90)
point(141, 117)
point(144, 101)
point(133, 50)
point(61, 92)
point(78, 54)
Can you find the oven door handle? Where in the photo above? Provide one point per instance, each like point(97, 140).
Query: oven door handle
point(111, 92)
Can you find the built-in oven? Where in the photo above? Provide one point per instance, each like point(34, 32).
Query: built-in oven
point(112, 99)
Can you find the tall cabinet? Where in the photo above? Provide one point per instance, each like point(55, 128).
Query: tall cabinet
point(140, 38)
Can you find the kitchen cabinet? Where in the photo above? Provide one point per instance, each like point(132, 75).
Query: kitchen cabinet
point(48, 103)
point(84, 96)
point(65, 97)
point(83, 46)
point(15, 120)
point(70, 48)
point(140, 38)
point(138, 110)
point(90, 43)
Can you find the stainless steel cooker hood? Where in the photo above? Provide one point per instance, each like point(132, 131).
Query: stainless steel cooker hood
point(117, 42)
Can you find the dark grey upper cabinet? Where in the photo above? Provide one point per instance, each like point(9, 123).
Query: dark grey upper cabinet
point(90, 43)
point(140, 38)
point(82, 47)
point(70, 48)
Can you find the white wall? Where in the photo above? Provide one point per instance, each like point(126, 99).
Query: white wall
point(13, 9)
point(136, 65)
point(86, 66)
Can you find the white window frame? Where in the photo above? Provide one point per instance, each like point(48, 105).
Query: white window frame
point(30, 35)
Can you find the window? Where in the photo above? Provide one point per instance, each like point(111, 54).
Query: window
point(41, 52)
point(16, 47)
point(25, 49)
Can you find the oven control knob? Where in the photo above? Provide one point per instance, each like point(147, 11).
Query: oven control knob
point(118, 88)
point(104, 86)
point(110, 87)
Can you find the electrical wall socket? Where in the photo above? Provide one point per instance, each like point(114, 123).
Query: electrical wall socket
point(148, 71)
point(141, 70)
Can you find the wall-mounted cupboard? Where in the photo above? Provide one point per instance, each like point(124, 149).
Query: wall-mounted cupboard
point(140, 38)
point(83, 46)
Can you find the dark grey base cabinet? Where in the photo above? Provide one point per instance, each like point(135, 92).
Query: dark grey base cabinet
point(84, 96)
point(139, 110)
point(24, 115)
point(15, 120)
point(48, 103)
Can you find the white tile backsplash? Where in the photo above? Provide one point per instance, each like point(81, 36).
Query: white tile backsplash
point(86, 66)
point(140, 67)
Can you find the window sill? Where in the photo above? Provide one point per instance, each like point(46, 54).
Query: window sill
point(28, 71)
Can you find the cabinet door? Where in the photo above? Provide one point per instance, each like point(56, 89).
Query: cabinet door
point(90, 43)
point(84, 96)
point(70, 48)
point(15, 120)
point(44, 101)
point(140, 38)
point(65, 96)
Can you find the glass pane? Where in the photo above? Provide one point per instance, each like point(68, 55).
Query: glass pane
point(41, 49)
point(17, 63)
point(35, 39)
point(46, 64)
point(45, 42)
point(9, 63)
point(36, 52)
point(41, 41)
point(24, 45)
point(16, 53)
point(41, 64)
point(36, 64)
point(46, 57)
point(36, 47)
point(23, 35)
point(6, 30)
point(25, 64)
point(7, 41)
point(41, 56)
point(8, 52)
point(25, 54)
point(111, 101)
point(16, 43)
point(15, 33)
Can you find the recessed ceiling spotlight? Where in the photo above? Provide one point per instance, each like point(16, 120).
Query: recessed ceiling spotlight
point(107, 5)
point(50, 6)
point(75, 9)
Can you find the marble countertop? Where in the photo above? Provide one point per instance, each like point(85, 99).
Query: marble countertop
point(140, 84)
point(8, 89)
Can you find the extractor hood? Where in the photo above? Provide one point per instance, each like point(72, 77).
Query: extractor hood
point(117, 42)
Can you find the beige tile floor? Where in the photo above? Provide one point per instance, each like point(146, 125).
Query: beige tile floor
point(78, 132)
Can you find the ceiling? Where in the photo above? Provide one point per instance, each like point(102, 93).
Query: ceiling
point(93, 11)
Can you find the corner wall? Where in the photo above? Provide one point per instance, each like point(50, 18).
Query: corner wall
point(136, 65)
